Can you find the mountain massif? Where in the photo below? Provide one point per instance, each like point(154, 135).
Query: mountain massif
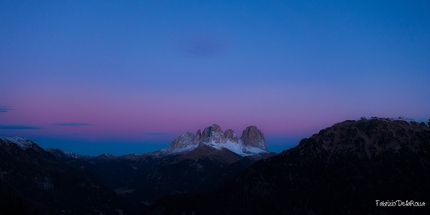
point(354, 167)
point(251, 142)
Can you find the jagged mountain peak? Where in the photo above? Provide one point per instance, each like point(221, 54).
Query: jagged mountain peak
point(253, 137)
point(214, 128)
point(229, 134)
point(211, 133)
point(251, 142)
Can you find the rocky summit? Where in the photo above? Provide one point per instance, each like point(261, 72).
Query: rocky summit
point(252, 141)
point(253, 137)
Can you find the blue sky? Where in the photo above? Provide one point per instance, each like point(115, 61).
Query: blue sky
point(99, 76)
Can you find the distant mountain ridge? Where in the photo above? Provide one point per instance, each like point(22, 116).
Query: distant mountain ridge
point(33, 181)
point(251, 142)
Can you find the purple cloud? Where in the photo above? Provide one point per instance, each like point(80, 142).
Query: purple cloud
point(157, 133)
point(204, 45)
point(4, 109)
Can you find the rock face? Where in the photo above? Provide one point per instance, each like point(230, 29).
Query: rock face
point(210, 132)
point(251, 142)
point(253, 137)
point(213, 134)
point(230, 135)
point(197, 137)
point(187, 138)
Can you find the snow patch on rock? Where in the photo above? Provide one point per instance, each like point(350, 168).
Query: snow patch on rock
point(22, 143)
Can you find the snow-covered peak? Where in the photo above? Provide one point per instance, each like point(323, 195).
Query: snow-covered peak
point(21, 142)
point(106, 156)
point(62, 154)
point(237, 147)
point(71, 154)
point(180, 150)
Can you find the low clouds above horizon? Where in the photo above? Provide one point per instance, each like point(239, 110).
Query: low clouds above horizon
point(19, 127)
point(157, 133)
point(72, 124)
point(4, 109)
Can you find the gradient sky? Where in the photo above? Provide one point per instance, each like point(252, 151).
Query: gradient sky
point(125, 77)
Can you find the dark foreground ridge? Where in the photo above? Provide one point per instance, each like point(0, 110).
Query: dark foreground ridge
point(353, 167)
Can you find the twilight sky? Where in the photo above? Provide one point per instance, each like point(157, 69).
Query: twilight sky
point(125, 77)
